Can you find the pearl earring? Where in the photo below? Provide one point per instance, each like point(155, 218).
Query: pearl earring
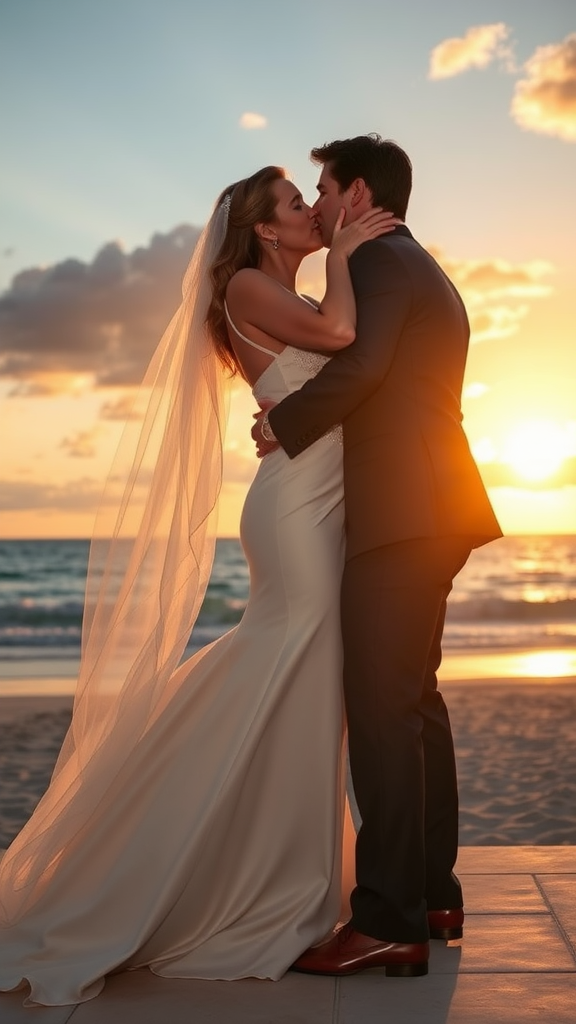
point(275, 243)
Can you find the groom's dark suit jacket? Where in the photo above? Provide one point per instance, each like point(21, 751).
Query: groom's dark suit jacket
point(408, 469)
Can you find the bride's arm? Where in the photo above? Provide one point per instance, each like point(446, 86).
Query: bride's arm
point(260, 302)
point(385, 301)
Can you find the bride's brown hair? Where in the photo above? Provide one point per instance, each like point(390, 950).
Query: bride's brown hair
point(252, 202)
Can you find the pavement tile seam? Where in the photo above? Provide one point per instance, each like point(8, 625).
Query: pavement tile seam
point(530, 912)
point(520, 875)
point(549, 871)
point(512, 871)
point(336, 1003)
point(520, 867)
point(548, 973)
point(565, 936)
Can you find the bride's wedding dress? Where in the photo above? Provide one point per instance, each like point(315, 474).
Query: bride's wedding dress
point(217, 852)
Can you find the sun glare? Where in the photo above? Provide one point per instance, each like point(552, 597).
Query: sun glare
point(536, 449)
point(547, 663)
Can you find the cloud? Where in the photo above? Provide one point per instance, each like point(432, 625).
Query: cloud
point(545, 100)
point(75, 326)
point(76, 495)
point(495, 322)
point(81, 445)
point(251, 121)
point(479, 47)
point(492, 289)
point(124, 408)
point(99, 322)
point(499, 278)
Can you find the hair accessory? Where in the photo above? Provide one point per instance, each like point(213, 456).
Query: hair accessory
point(225, 209)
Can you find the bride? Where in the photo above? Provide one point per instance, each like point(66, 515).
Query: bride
point(195, 817)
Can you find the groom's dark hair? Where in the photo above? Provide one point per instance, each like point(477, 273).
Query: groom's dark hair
point(381, 163)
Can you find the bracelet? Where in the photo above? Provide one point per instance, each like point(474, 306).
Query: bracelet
point(266, 430)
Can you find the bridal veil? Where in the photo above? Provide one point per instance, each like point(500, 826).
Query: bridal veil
point(149, 566)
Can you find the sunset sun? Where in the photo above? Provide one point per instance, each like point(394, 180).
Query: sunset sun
point(536, 449)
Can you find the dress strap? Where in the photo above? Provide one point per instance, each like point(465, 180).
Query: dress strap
point(261, 348)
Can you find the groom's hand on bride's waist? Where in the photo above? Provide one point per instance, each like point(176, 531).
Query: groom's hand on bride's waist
point(262, 432)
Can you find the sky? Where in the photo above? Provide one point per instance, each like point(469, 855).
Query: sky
point(123, 120)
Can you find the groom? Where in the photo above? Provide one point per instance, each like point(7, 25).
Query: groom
point(415, 507)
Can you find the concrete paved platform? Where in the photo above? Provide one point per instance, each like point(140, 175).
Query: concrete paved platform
point(516, 964)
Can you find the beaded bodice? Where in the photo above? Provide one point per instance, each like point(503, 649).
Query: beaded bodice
point(291, 369)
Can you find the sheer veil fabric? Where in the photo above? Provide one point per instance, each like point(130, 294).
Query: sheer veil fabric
point(150, 562)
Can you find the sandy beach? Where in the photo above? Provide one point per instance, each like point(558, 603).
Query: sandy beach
point(515, 745)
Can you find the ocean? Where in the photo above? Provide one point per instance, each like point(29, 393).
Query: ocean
point(518, 593)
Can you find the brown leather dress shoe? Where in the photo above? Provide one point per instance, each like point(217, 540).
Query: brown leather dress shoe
point(348, 952)
point(446, 924)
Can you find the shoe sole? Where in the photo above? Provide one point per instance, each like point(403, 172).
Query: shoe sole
point(392, 970)
point(446, 933)
point(406, 970)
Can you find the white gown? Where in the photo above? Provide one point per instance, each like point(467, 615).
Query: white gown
point(218, 851)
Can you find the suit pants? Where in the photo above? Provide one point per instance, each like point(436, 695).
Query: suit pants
point(401, 747)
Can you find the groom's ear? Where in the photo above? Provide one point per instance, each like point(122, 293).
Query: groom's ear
point(358, 192)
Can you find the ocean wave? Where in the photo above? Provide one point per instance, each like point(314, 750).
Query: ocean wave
point(508, 636)
point(37, 624)
point(31, 616)
point(498, 609)
point(460, 635)
point(26, 638)
point(520, 592)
